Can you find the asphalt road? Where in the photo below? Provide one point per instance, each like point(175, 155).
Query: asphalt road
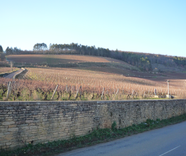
point(167, 141)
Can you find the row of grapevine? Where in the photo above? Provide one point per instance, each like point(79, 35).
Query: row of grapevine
point(32, 90)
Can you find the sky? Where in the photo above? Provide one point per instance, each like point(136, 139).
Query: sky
point(150, 26)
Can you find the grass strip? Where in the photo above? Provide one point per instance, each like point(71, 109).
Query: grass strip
point(95, 137)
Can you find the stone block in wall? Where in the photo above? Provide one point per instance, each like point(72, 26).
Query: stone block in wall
point(7, 123)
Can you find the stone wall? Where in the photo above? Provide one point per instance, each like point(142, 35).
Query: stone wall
point(40, 122)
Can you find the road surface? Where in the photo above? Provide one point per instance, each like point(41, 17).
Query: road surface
point(10, 76)
point(167, 141)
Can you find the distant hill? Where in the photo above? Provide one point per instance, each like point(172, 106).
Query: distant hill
point(44, 60)
point(143, 61)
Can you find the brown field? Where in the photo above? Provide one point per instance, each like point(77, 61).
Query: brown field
point(48, 60)
point(55, 58)
point(7, 70)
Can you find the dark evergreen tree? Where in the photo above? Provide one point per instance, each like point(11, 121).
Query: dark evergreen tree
point(1, 49)
point(40, 47)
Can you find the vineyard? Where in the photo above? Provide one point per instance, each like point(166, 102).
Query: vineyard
point(54, 59)
point(67, 61)
point(76, 84)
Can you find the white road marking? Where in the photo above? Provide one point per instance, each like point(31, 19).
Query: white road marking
point(169, 151)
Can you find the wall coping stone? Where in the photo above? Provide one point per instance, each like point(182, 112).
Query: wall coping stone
point(30, 103)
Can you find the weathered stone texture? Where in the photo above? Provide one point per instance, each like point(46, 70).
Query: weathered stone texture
point(40, 122)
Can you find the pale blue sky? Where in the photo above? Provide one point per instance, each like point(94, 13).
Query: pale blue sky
point(152, 26)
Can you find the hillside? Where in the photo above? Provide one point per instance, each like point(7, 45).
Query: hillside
point(83, 77)
point(143, 61)
point(103, 64)
point(75, 61)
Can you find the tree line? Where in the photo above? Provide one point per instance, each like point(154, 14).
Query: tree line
point(180, 60)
